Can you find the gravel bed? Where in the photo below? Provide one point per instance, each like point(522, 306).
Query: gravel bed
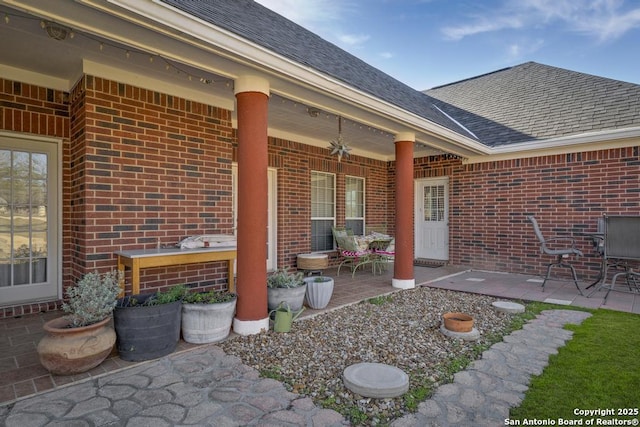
point(401, 330)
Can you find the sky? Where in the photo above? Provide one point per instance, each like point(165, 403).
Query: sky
point(427, 43)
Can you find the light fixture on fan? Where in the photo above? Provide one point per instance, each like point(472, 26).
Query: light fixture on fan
point(55, 31)
point(338, 146)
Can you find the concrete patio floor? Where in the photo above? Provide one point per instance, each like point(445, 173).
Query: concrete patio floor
point(22, 375)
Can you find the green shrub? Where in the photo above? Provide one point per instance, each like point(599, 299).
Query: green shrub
point(281, 278)
point(93, 298)
point(173, 294)
point(211, 297)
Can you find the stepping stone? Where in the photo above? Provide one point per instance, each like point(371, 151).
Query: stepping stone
point(376, 380)
point(472, 335)
point(557, 301)
point(508, 307)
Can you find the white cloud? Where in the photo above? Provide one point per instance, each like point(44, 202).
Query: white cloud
point(353, 39)
point(609, 27)
point(514, 50)
point(523, 49)
point(482, 25)
point(386, 55)
point(602, 19)
point(310, 14)
point(328, 18)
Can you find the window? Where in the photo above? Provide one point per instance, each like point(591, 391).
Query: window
point(323, 210)
point(24, 209)
point(354, 204)
point(434, 203)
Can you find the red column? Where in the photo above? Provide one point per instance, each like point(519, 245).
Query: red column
point(252, 95)
point(403, 277)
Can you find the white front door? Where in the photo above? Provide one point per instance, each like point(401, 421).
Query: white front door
point(272, 183)
point(272, 253)
point(432, 219)
point(28, 220)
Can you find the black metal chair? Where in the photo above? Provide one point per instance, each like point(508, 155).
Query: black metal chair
point(559, 246)
point(621, 245)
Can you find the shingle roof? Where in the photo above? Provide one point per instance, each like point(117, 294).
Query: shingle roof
point(266, 28)
point(534, 101)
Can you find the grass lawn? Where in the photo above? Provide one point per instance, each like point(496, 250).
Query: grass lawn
point(599, 368)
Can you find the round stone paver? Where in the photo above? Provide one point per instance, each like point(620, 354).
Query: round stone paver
point(508, 307)
point(472, 335)
point(376, 380)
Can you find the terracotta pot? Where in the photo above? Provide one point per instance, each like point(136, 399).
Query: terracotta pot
point(66, 351)
point(458, 322)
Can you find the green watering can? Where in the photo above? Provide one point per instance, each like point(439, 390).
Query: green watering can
point(284, 317)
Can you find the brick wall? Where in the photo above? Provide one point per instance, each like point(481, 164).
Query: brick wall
point(148, 169)
point(566, 193)
point(295, 162)
point(33, 109)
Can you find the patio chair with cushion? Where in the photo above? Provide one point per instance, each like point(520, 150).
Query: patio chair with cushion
point(349, 251)
point(559, 246)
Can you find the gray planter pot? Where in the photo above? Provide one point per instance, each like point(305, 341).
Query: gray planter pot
point(292, 296)
point(207, 323)
point(318, 294)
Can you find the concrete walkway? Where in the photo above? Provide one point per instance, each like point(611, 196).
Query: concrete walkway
point(204, 386)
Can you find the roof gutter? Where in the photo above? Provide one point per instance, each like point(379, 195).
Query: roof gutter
point(591, 141)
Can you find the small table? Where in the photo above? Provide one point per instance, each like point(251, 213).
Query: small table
point(163, 257)
point(598, 243)
point(379, 254)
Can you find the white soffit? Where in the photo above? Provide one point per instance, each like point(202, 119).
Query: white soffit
point(144, 81)
point(20, 75)
point(289, 136)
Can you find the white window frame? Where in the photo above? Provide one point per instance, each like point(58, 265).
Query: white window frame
point(364, 203)
point(322, 218)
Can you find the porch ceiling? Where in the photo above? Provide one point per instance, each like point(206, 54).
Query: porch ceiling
point(150, 54)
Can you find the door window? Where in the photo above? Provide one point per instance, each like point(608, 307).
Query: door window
point(434, 203)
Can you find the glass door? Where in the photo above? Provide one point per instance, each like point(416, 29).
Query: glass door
point(27, 188)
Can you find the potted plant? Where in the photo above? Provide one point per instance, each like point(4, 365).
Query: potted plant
point(287, 287)
point(319, 291)
point(207, 316)
point(148, 325)
point(83, 338)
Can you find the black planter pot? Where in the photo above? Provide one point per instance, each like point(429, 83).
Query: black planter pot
point(146, 332)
